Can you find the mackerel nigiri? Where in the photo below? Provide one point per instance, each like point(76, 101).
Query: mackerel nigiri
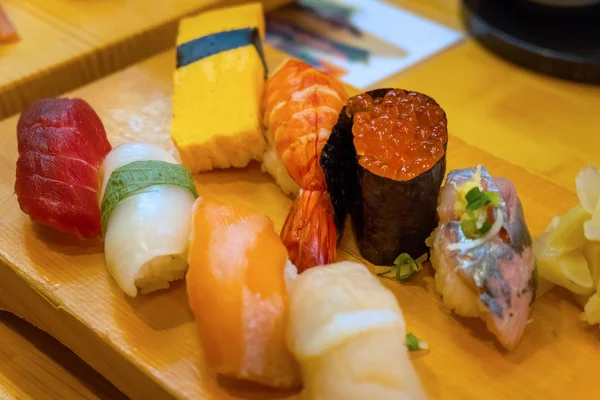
point(147, 200)
point(481, 251)
point(62, 143)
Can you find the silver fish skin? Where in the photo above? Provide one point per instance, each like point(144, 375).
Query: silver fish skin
point(494, 279)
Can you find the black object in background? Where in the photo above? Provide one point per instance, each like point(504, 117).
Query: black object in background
point(562, 41)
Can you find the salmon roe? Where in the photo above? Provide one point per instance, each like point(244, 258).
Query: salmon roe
point(398, 136)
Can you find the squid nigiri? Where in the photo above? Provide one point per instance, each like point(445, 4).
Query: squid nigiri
point(61, 144)
point(147, 200)
point(348, 333)
point(481, 251)
point(237, 289)
point(302, 105)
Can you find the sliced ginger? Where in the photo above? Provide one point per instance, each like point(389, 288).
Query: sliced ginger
point(568, 253)
point(568, 234)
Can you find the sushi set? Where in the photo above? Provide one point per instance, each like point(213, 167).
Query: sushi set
point(284, 241)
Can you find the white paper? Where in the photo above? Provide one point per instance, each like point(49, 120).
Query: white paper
point(417, 37)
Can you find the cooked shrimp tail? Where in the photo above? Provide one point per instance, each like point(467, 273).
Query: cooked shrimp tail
point(309, 231)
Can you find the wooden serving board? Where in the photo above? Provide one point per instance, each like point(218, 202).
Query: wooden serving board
point(148, 346)
point(67, 43)
point(33, 365)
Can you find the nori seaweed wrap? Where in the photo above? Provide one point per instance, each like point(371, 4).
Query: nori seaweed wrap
point(384, 163)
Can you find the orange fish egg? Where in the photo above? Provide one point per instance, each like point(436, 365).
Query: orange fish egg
point(398, 136)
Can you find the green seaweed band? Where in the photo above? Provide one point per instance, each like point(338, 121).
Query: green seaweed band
point(206, 46)
point(125, 181)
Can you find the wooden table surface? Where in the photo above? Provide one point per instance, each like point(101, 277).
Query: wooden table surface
point(67, 43)
point(542, 126)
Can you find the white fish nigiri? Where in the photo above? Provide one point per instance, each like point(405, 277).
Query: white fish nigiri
point(147, 234)
point(348, 333)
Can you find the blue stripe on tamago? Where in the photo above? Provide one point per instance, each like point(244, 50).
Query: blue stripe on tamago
point(206, 46)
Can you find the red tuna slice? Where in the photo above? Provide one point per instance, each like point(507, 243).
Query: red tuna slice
point(61, 144)
point(495, 280)
point(82, 134)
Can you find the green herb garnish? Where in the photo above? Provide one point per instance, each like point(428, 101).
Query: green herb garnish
point(404, 267)
point(469, 227)
point(485, 228)
point(477, 199)
point(412, 342)
point(129, 179)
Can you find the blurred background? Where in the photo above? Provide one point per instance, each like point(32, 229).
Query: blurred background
point(52, 46)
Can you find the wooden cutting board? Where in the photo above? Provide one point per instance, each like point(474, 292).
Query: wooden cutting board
point(67, 43)
point(148, 347)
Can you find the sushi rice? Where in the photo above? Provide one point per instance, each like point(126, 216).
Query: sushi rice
point(158, 272)
point(274, 166)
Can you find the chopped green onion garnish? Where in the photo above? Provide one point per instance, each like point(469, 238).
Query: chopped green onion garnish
point(485, 228)
point(412, 342)
point(469, 227)
point(494, 198)
point(404, 267)
point(476, 199)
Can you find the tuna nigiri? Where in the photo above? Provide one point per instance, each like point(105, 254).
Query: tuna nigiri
point(348, 333)
point(236, 286)
point(147, 200)
point(302, 105)
point(481, 251)
point(61, 145)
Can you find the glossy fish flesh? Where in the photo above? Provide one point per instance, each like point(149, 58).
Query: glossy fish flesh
point(61, 144)
point(493, 277)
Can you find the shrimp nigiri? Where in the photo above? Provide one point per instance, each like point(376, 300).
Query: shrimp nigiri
point(236, 287)
point(481, 251)
point(349, 335)
point(62, 143)
point(302, 105)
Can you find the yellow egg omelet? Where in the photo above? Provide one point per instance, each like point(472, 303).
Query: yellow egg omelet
point(216, 99)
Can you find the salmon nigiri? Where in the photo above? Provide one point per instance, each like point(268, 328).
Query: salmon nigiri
point(481, 251)
point(302, 105)
point(62, 143)
point(236, 285)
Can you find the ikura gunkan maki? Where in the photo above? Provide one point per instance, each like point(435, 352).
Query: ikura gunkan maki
point(384, 163)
